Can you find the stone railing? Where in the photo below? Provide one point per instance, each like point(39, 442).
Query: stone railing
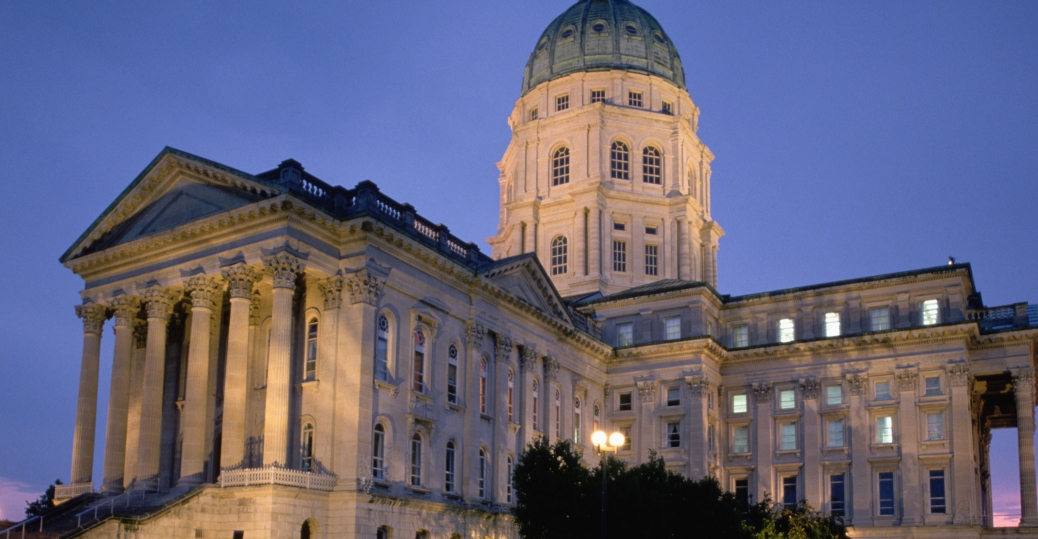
point(67, 492)
point(276, 475)
point(1005, 316)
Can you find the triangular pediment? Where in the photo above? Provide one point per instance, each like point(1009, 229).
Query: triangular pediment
point(524, 278)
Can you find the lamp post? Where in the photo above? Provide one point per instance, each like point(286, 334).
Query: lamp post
point(606, 444)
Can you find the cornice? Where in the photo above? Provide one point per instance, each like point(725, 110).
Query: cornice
point(698, 345)
point(850, 287)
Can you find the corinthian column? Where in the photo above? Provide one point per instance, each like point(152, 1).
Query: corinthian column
point(126, 308)
point(158, 302)
point(1023, 387)
point(204, 291)
point(240, 280)
point(93, 316)
point(285, 268)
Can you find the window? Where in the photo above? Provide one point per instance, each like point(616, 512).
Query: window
point(835, 433)
point(668, 108)
point(673, 396)
point(884, 430)
point(416, 460)
point(533, 114)
point(937, 499)
point(710, 439)
point(883, 391)
point(627, 439)
point(652, 259)
point(419, 362)
point(880, 318)
point(834, 395)
point(742, 493)
point(931, 313)
point(561, 103)
point(634, 99)
point(382, 350)
point(576, 421)
point(382, 533)
point(741, 440)
point(307, 446)
point(789, 492)
point(935, 426)
point(452, 374)
point(886, 494)
point(741, 336)
point(558, 255)
point(511, 387)
point(933, 386)
point(509, 484)
point(560, 166)
point(832, 324)
point(651, 170)
point(652, 230)
point(673, 435)
point(787, 399)
point(558, 413)
point(619, 256)
point(619, 226)
point(620, 161)
point(448, 469)
point(310, 366)
point(786, 330)
point(482, 473)
point(625, 402)
point(625, 334)
point(534, 403)
point(378, 452)
point(739, 403)
point(483, 385)
point(672, 328)
point(594, 423)
point(837, 495)
point(597, 96)
point(789, 437)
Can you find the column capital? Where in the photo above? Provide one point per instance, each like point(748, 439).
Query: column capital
point(254, 305)
point(960, 375)
point(126, 309)
point(529, 359)
point(698, 385)
point(284, 267)
point(551, 368)
point(205, 291)
point(240, 279)
point(809, 388)
point(647, 390)
point(331, 291)
point(762, 390)
point(1023, 384)
point(474, 333)
point(364, 286)
point(158, 301)
point(906, 379)
point(93, 315)
point(857, 384)
point(503, 348)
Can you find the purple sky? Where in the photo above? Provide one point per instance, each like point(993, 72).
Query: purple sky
point(852, 138)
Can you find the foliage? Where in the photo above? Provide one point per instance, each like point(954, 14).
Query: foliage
point(43, 504)
point(773, 521)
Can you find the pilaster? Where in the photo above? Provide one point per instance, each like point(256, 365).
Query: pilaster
point(860, 502)
point(765, 446)
point(908, 436)
point(961, 430)
point(812, 432)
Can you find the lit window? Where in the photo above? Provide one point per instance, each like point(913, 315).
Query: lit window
point(594, 423)
point(625, 334)
point(620, 161)
point(511, 387)
point(378, 452)
point(509, 484)
point(739, 403)
point(625, 402)
point(448, 474)
point(559, 255)
point(483, 385)
point(787, 399)
point(673, 396)
point(416, 460)
point(741, 440)
point(634, 99)
point(576, 421)
point(307, 445)
point(452, 374)
point(619, 226)
point(884, 430)
point(837, 495)
point(931, 313)
point(742, 493)
point(789, 437)
point(673, 435)
point(933, 386)
point(533, 114)
point(789, 492)
point(419, 362)
point(880, 318)
point(883, 391)
point(597, 96)
point(627, 439)
point(937, 498)
point(740, 336)
point(836, 433)
point(482, 473)
point(619, 256)
point(672, 328)
point(560, 166)
point(786, 330)
point(668, 108)
point(834, 395)
point(832, 324)
point(652, 259)
point(558, 414)
point(382, 350)
point(652, 230)
point(310, 367)
point(935, 426)
point(561, 103)
point(710, 438)
point(534, 403)
point(886, 494)
point(651, 169)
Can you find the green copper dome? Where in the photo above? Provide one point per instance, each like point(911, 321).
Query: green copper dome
point(596, 35)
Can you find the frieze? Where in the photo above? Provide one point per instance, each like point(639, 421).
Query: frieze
point(93, 315)
point(364, 287)
point(285, 268)
point(331, 291)
point(762, 390)
point(240, 280)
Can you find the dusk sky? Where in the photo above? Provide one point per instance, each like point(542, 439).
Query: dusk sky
point(852, 138)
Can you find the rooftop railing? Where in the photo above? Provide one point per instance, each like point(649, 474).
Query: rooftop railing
point(1002, 317)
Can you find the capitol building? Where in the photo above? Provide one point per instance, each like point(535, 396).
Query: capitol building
point(294, 359)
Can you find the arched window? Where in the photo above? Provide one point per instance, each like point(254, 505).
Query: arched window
point(560, 166)
point(310, 365)
point(382, 533)
point(482, 473)
point(306, 531)
point(693, 189)
point(307, 443)
point(378, 452)
point(382, 350)
point(448, 469)
point(576, 421)
point(558, 255)
point(558, 413)
point(620, 161)
point(652, 171)
point(594, 424)
point(482, 385)
point(416, 460)
point(509, 485)
point(511, 376)
point(452, 374)
point(419, 361)
point(534, 402)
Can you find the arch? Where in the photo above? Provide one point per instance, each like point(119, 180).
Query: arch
point(449, 466)
point(415, 475)
point(306, 444)
point(560, 166)
point(559, 255)
point(310, 356)
point(619, 160)
point(309, 529)
point(652, 165)
point(378, 451)
point(383, 532)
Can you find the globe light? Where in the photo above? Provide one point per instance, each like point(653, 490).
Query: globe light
point(617, 439)
point(598, 438)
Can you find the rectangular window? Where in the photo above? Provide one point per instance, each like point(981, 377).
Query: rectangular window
point(935, 426)
point(619, 256)
point(419, 371)
point(789, 492)
point(835, 433)
point(673, 396)
point(741, 336)
point(886, 494)
point(627, 439)
point(837, 495)
point(883, 391)
point(310, 368)
point(931, 313)
point(561, 103)
point(937, 498)
point(625, 402)
point(880, 318)
point(668, 108)
point(787, 399)
point(672, 328)
point(832, 324)
point(382, 352)
point(625, 334)
point(652, 259)
point(739, 403)
point(620, 226)
point(742, 492)
point(452, 374)
point(710, 438)
point(634, 99)
point(789, 437)
point(533, 114)
point(786, 331)
point(834, 395)
point(673, 435)
point(652, 230)
point(884, 430)
point(741, 440)
point(933, 386)
point(597, 96)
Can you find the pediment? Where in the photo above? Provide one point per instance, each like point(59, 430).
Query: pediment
point(525, 279)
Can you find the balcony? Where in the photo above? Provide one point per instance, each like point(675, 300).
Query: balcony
point(276, 475)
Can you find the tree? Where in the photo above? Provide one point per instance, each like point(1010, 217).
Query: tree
point(555, 493)
point(43, 504)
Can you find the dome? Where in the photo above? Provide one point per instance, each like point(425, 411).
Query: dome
point(597, 35)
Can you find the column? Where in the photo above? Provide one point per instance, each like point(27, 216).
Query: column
point(240, 280)
point(205, 291)
point(528, 369)
point(158, 302)
point(93, 315)
point(133, 419)
point(1023, 388)
point(285, 268)
point(126, 308)
point(860, 506)
point(328, 358)
point(908, 436)
point(503, 353)
point(682, 238)
point(698, 425)
point(813, 481)
point(961, 426)
point(763, 450)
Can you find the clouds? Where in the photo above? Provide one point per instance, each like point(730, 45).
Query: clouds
point(13, 498)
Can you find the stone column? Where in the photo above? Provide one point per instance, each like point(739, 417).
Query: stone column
point(908, 439)
point(328, 357)
point(285, 268)
point(133, 419)
point(860, 507)
point(204, 291)
point(1023, 388)
point(813, 480)
point(682, 237)
point(528, 374)
point(126, 308)
point(646, 435)
point(240, 280)
point(93, 315)
point(697, 446)
point(764, 450)
point(503, 349)
point(158, 303)
point(961, 427)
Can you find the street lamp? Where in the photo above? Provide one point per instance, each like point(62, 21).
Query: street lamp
point(606, 444)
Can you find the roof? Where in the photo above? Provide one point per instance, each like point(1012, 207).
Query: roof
point(662, 286)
